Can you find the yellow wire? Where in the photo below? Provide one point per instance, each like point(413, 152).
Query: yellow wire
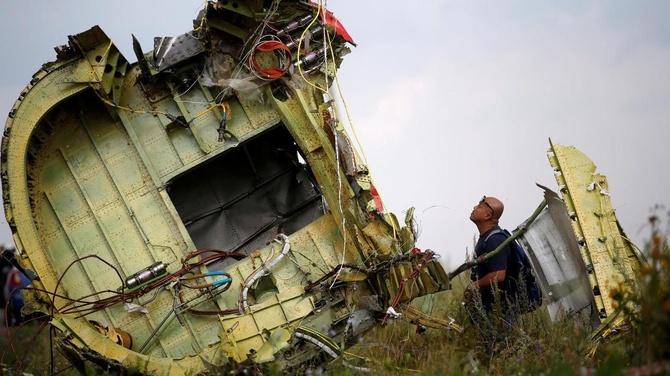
point(128, 109)
point(222, 105)
point(204, 17)
point(105, 100)
point(353, 129)
point(339, 89)
point(225, 109)
point(346, 110)
point(302, 36)
point(93, 70)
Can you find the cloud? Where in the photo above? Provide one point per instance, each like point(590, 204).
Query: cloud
point(472, 108)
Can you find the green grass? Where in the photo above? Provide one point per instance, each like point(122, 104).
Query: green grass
point(26, 348)
point(533, 344)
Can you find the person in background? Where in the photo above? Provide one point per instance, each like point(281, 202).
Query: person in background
point(5, 267)
point(12, 291)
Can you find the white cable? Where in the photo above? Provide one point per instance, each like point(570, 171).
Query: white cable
point(340, 208)
point(320, 344)
point(329, 351)
point(392, 312)
point(337, 147)
point(264, 270)
point(259, 34)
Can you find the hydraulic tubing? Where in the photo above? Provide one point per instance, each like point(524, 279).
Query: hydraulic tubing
point(264, 270)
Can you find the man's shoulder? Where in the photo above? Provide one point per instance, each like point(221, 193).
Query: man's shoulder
point(494, 232)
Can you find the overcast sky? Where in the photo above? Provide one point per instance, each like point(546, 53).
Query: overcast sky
point(451, 99)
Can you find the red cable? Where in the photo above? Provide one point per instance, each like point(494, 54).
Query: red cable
point(282, 52)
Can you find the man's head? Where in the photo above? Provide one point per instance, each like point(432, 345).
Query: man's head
point(487, 211)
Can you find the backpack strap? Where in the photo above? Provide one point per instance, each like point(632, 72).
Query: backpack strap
point(520, 254)
point(498, 231)
point(513, 244)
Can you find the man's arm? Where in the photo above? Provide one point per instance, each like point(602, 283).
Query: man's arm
point(488, 280)
point(485, 283)
point(498, 263)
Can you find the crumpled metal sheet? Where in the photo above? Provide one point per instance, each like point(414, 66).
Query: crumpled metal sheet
point(554, 253)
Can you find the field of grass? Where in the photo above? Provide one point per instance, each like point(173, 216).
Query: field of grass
point(531, 345)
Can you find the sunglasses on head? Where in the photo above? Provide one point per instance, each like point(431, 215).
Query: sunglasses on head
point(483, 201)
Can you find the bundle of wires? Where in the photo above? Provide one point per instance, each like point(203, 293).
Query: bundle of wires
point(86, 305)
point(281, 52)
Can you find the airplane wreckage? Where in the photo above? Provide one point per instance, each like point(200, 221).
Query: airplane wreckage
point(203, 208)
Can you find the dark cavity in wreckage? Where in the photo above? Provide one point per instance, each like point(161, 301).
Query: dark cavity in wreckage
point(203, 209)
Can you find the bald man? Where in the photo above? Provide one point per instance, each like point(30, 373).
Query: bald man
point(485, 276)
